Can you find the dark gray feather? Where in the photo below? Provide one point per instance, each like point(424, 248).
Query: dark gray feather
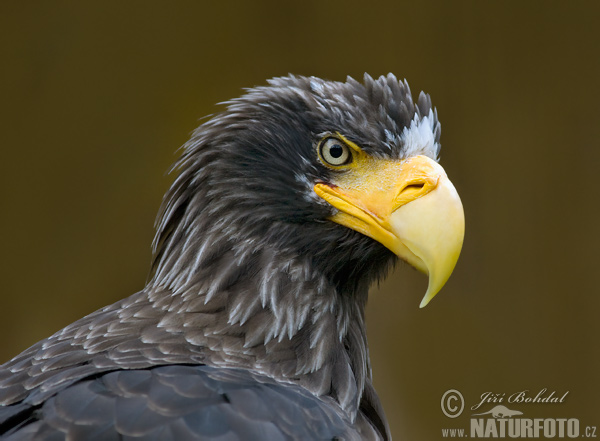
point(184, 403)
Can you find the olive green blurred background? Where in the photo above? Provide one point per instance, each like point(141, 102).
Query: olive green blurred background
point(95, 98)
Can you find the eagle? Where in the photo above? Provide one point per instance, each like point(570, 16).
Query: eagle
point(287, 206)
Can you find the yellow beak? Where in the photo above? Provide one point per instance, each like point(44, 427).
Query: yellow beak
point(409, 206)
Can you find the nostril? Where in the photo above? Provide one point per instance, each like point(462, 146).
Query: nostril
point(410, 193)
point(414, 187)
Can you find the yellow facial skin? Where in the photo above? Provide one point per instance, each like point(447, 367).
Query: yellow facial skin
point(410, 206)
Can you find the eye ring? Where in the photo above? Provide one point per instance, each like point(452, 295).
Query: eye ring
point(335, 152)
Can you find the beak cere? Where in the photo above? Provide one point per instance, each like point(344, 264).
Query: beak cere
point(409, 206)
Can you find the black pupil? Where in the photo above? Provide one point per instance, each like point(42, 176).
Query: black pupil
point(336, 151)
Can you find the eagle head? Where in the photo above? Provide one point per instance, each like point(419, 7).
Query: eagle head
point(344, 174)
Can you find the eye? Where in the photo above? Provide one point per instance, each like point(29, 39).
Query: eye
point(335, 152)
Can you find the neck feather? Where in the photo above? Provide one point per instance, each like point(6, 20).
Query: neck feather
point(269, 311)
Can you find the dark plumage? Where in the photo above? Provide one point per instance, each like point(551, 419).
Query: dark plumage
point(252, 324)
